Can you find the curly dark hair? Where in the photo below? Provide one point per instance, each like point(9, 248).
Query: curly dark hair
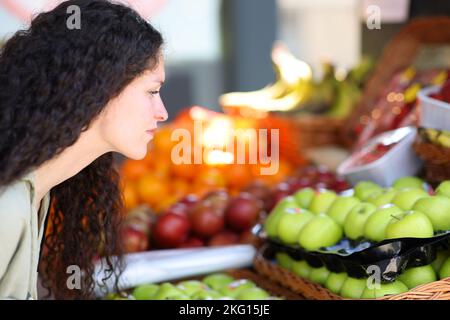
point(54, 81)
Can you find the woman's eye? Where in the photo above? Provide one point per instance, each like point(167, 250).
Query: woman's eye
point(154, 93)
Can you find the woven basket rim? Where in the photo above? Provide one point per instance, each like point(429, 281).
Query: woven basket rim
point(439, 289)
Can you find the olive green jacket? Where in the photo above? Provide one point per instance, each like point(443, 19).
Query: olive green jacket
point(20, 238)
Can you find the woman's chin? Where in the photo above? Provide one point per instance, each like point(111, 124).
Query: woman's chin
point(136, 154)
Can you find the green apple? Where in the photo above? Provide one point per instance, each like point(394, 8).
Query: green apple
point(443, 189)
point(291, 224)
point(167, 291)
point(206, 295)
point(321, 231)
point(181, 297)
point(366, 189)
point(445, 269)
point(414, 277)
point(252, 294)
point(322, 201)
point(319, 275)
point(406, 198)
point(441, 256)
point(385, 197)
point(356, 219)
point(341, 207)
point(271, 223)
point(235, 288)
point(353, 288)
point(217, 280)
point(335, 281)
point(117, 296)
point(375, 227)
point(145, 291)
point(301, 268)
point(284, 260)
point(437, 209)
point(190, 287)
point(408, 183)
point(410, 224)
point(304, 197)
point(395, 287)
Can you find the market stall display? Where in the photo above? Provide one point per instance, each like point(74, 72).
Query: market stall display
point(318, 234)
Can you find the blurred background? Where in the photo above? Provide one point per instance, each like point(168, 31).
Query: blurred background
point(217, 46)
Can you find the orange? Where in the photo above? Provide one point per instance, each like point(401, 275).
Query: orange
point(201, 190)
point(151, 189)
point(179, 187)
point(281, 173)
point(184, 171)
point(134, 169)
point(238, 175)
point(165, 203)
point(161, 167)
point(130, 196)
point(212, 177)
point(162, 142)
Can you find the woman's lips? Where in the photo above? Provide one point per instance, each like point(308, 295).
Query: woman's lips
point(151, 131)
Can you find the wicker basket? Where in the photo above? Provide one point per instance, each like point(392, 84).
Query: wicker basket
point(437, 161)
point(398, 54)
point(263, 282)
point(438, 290)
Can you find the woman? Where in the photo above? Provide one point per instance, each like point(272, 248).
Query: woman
point(68, 99)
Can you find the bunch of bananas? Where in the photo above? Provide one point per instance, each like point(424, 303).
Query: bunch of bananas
point(292, 86)
point(437, 137)
point(295, 92)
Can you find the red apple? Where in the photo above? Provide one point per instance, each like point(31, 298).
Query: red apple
point(247, 237)
point(171, 230)
point(178, 208)
point(134, 239)
point(309, 172)
point(258, 189)
point(141, 215)
point(281, 191)
point(206, 220)
point(340, 185)
point(223, 238)
point(192, 242)
point(190, 200)
point(296, 184)
point(217, 199)
point(243, 211)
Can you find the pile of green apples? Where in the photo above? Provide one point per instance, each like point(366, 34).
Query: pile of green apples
point(317, 219)
point(217, 286)
point(353, 288)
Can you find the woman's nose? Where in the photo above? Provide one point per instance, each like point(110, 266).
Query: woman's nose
point(161, 112)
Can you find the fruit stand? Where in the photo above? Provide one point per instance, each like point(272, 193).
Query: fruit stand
point(375, 227)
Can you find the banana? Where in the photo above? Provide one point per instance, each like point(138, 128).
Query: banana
point(344, 102)
point(291, 87)
point(444, 140)
point(432, 134)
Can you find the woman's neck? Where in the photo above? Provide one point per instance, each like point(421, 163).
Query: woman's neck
point(68, 163)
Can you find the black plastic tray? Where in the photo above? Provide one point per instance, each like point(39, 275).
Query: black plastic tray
point(356, 258)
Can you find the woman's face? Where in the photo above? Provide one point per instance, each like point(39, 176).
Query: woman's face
point(129, 120)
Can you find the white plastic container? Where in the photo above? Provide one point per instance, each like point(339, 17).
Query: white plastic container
point(434, 113)
point(398, 162)
point(166, 265)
